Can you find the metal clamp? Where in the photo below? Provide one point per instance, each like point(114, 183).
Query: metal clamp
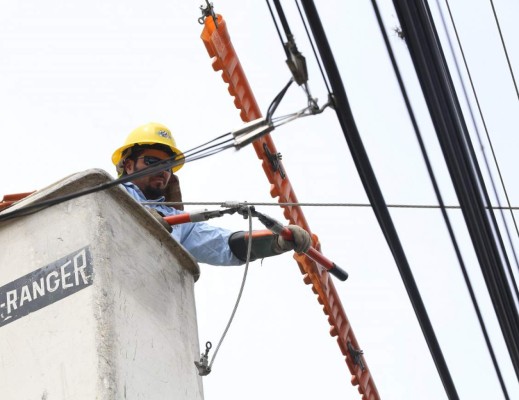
point(274, 160)
point(203, 365)
point(208, 12)
point(251, 131)
point(357, 356)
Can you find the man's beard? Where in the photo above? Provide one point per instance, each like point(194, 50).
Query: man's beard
point(153, 192)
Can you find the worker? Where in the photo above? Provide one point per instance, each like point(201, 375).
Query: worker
point(153, 142)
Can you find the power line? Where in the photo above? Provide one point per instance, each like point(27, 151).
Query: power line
point(429, 60)
point(440, 201)
point(504, 48)
point(496, 195)
point(317, 59)
point(205, 150)
point(512, 281)
point(450, 391)
point(373, 191)
point(317, 204)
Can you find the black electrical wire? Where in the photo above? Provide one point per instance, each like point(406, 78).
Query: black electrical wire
point(191, 155)
point(206, 146)
point(277, 29)
point(297, 68)
point(440, 199)
point(429, 61)
point(476, 98)
point(507, 279)
point(40, 205)
point(213, 146)
point(507, 276)
point(504, 48)
point(283, 20)
point(317, 59)
point(277, 100)
point(374, 193)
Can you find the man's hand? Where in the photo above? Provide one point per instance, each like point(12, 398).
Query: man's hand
point(300, 243)
point(173, 192)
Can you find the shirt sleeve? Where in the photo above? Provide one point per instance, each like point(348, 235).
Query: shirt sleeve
point(207, 244)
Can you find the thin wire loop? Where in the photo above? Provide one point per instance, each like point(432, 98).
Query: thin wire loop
point(246, 270)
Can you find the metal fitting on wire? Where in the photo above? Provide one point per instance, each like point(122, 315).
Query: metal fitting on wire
point(251, 131)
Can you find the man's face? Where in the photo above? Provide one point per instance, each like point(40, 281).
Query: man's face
point(153, 186)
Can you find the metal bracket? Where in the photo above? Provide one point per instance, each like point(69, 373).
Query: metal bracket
point(357, 356)
point(208, 12)
point(296, 62)
point(274, 160)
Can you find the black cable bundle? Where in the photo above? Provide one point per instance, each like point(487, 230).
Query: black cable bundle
point(374, 192)
point(429, 61)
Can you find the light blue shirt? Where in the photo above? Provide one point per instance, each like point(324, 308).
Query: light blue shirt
point(207, 243)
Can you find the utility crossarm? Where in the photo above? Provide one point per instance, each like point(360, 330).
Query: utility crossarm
point(219, 46)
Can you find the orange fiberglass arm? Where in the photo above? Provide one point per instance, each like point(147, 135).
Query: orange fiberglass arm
point(220, 48)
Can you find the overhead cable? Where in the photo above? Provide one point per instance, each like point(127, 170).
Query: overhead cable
point(374, 192)
point(317, 59)
point(237, 139)
point(317, 204)
point(504, 48)
point(439, 196)
point(296, 62)
point(482, 147)
point(226, 60)
point(428, 58)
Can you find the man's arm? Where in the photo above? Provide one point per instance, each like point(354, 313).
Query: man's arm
point(267, 244)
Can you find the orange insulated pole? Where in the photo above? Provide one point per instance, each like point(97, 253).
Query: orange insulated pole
point(218, 44)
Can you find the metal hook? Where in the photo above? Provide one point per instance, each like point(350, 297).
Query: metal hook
point(313, 107)
point(206, 12)
point(203, 364)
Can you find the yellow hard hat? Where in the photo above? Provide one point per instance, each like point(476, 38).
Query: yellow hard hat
point(148, 134)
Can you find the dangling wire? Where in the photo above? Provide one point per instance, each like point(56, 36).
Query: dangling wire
point(249, 249)
point(311, 109)
point(277, 100)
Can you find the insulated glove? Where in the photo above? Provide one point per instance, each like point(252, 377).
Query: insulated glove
point(300, 243)
point(159, 217)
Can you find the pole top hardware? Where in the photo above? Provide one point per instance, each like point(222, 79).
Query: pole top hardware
point(208, 11)
point(274, 160)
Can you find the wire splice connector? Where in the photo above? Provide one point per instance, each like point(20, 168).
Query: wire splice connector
point(251, 131)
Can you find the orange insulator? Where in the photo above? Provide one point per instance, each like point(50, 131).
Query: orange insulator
point(218, 44)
